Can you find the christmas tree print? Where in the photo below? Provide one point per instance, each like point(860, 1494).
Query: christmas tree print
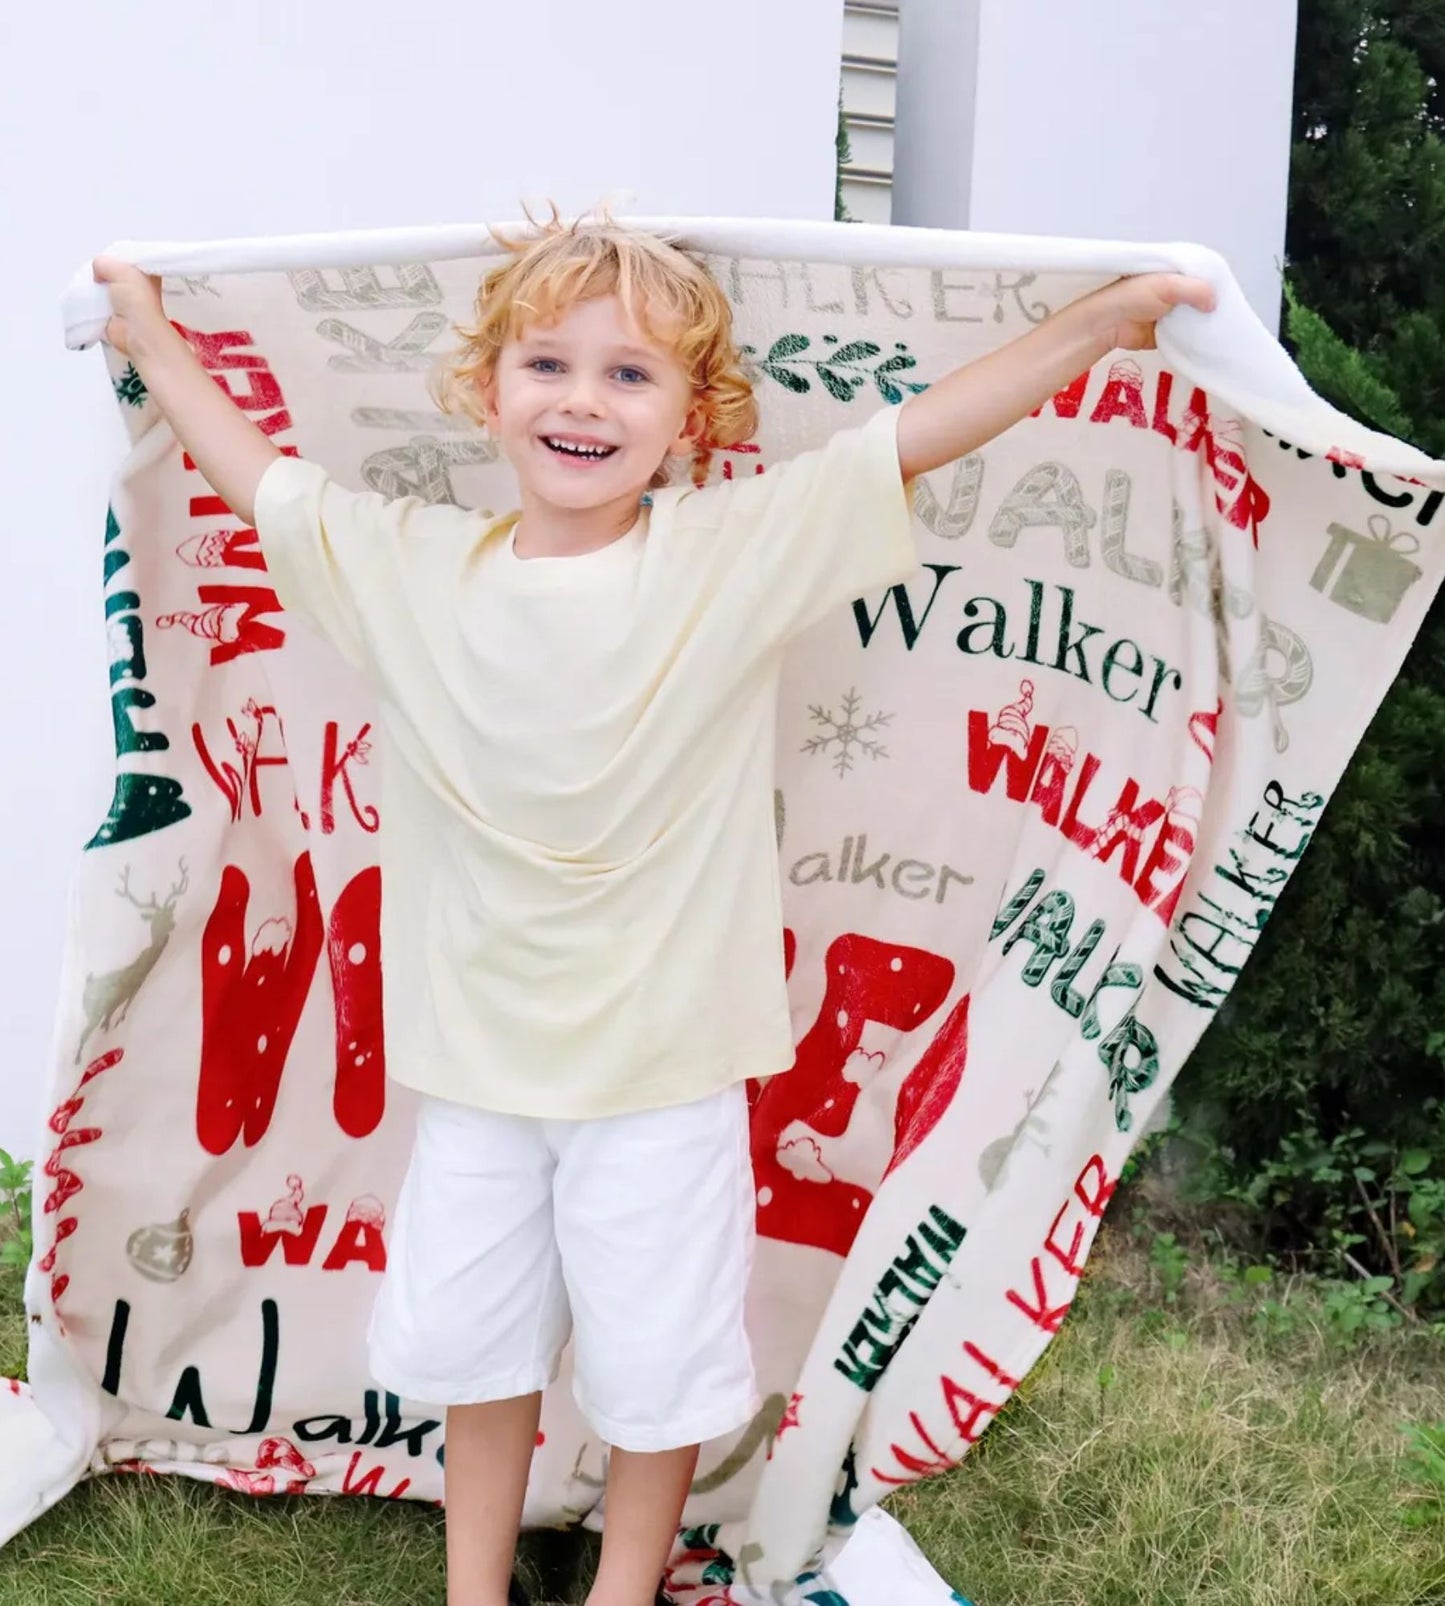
point(130, 387)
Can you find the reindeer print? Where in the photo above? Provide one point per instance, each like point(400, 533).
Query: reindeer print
point(107, 997)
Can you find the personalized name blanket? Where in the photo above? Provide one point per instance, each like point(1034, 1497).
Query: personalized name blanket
point(1033, 809)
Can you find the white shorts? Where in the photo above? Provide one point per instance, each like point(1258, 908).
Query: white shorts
point(634, 1233)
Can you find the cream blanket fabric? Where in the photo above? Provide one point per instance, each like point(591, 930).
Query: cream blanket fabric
point(1033, 810)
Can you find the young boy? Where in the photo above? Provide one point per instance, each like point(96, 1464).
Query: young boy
point(582, 921)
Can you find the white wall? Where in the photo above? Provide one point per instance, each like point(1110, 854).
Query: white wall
point(1114, 119)
point(172, 119)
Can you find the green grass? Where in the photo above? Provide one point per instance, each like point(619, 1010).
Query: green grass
point(1174, 1452)
point(1168, 1449)
point(12, 1325)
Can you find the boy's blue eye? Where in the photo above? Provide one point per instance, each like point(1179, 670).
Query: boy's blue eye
point(553, 365)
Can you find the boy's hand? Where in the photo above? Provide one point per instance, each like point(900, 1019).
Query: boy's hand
point(1125, 312)
point(135, 298)
point(230, 451)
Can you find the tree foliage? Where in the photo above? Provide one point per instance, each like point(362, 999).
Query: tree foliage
point(1324, 1073)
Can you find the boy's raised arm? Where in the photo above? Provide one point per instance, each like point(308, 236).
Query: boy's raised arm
point(972, 405)
point(227, 447)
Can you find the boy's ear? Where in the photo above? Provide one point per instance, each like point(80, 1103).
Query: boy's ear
point(692, 431)
point(487, 395)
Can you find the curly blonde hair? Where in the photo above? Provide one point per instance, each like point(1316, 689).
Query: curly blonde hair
point(664, 289)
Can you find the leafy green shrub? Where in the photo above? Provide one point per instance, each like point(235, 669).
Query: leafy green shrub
point(1316, 1094)
point(16, 1243)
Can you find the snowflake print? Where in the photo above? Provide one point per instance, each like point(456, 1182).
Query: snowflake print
point(847, 731)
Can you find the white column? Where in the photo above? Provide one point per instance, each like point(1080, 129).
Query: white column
point(1115, 119)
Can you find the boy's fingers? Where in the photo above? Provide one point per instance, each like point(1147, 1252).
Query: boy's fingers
point(110, 270)
point(1197, 293)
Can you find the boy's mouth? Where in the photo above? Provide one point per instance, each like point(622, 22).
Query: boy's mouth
point(578, 451)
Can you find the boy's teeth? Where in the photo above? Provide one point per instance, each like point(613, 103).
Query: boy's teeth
point(574, 450)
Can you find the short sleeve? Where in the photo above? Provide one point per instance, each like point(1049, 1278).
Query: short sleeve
point(342, 560)
point(816, 531)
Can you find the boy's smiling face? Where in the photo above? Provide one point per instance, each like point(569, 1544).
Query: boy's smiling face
point(587, 408)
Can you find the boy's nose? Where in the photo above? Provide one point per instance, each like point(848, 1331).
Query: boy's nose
point(583, 396)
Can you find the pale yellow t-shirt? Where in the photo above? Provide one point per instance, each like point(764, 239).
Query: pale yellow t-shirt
point(581, 911)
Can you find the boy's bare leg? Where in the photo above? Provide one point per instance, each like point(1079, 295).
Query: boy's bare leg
point(645, 1496)
point(489, 1454)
